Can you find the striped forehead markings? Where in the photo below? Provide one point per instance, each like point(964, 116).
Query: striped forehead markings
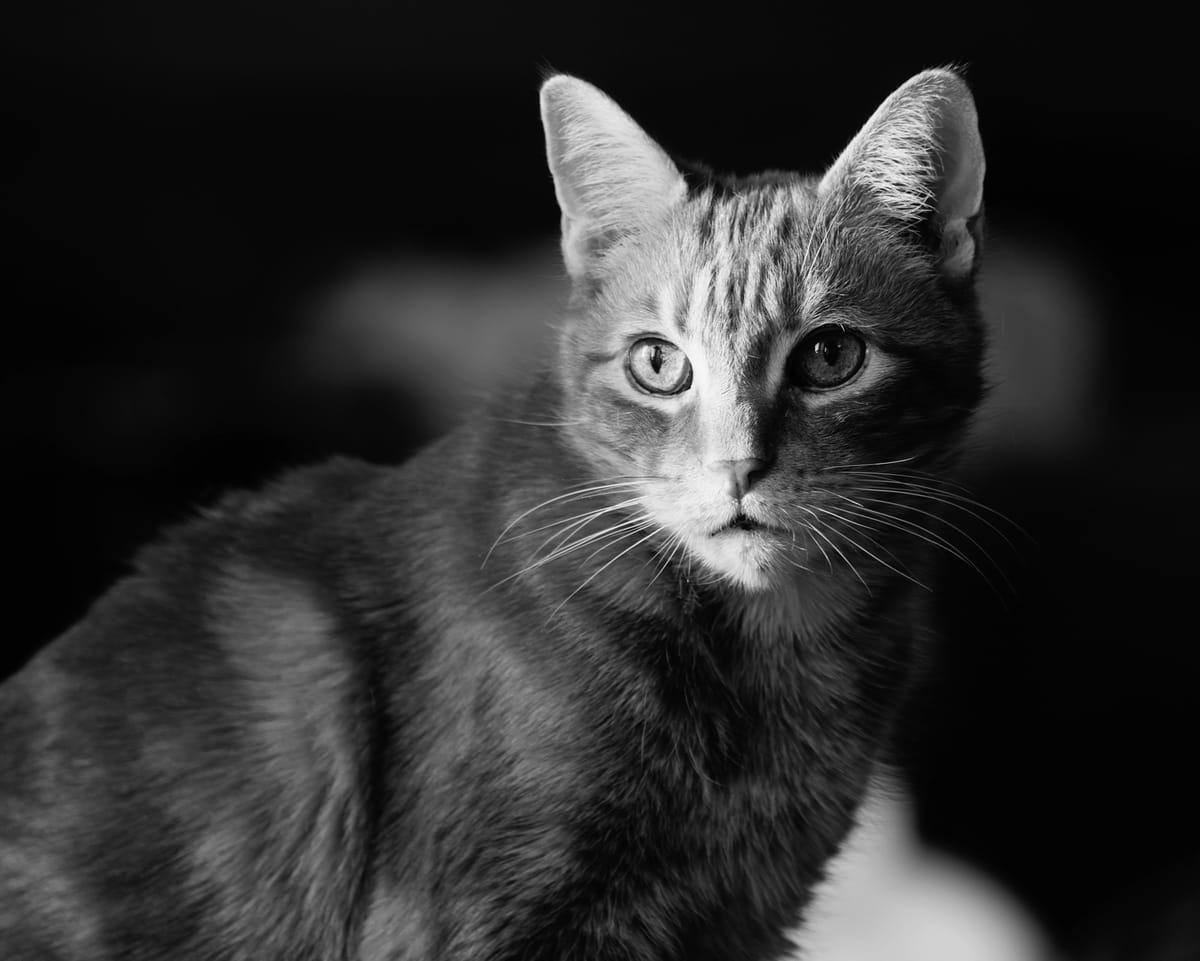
point(754, 246)
point(752, 269)
point(735, 290)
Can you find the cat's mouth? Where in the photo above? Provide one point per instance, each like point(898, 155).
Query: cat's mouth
point(742, 522)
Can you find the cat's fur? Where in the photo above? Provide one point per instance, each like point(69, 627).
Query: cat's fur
point(369, 713)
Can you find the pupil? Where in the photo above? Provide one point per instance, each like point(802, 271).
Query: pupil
point(656, 358)
point(831, 352)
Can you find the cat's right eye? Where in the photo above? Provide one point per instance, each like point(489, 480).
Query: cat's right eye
point(659, 367)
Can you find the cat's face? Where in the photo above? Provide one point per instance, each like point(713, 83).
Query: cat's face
point(741, 371)
point(747, 347)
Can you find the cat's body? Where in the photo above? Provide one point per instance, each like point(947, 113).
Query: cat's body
point(500, 703)
point(315, 687)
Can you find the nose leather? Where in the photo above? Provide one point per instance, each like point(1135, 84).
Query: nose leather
point(740, 475)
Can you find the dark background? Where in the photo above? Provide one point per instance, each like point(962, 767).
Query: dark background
point(183, 183)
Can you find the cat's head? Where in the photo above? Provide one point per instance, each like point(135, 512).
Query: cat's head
point(737, 348)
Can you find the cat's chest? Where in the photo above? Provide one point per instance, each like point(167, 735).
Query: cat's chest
point(734, 729)
point(736, 780)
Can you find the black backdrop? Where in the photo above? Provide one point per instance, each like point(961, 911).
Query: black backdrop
point(181, 180)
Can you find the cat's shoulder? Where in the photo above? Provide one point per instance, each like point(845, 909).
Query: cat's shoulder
point(254, 570)
point(292, 518)
point(221, 684)
point(321, 493)
point(240, 599)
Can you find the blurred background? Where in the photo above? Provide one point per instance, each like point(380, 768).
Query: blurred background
point(244, 237)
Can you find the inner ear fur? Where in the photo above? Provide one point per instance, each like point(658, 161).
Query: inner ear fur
point(920, 159)
point(610, 177)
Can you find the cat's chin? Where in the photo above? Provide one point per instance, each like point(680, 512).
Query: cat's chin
point(747, 557)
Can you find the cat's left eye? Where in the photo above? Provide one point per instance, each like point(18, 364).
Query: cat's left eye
point(827, 358)
point(659, 367)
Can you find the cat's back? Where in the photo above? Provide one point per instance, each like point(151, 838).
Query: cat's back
point(196, 754)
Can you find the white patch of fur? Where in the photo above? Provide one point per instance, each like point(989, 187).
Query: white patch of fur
point(745, 558)
point(695, 507)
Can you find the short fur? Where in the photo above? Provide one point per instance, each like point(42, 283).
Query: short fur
point(535, 694)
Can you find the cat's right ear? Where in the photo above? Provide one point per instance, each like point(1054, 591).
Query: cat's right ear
point(610, 178)
point(921, 160)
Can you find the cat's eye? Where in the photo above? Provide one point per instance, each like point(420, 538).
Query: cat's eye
point(659, 367)
point(827, 358)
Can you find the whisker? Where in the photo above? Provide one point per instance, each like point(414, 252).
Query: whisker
point(962, 532)
point(808, 530)
point(855, 467)
point(674, 543)
point(913, 474)
point(627, 528)
point(893, 519)
point(595, 490)
point(931, 538)
point(967, 505)
point(868, 531)
point(903, 573)
point(616, 531)
point(940, 485)
point(563, 538)
point(911, 470)
point(606, 566)
point(816, 529)
point(589, 515)
point(795, 545)
point(567, 546)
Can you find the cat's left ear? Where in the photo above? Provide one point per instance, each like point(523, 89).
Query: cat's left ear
point(610, 178)
point(921, 161)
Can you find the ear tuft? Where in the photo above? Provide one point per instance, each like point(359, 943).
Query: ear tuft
point(610, 178)
point(921, 159)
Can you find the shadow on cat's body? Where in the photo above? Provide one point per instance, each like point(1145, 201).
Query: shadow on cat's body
point(362, 714)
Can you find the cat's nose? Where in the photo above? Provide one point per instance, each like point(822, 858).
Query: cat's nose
point(739, 475)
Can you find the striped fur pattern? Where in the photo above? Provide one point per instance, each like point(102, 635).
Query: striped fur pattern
point(602, 675)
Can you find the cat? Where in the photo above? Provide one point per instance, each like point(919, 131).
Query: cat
point(605, 672)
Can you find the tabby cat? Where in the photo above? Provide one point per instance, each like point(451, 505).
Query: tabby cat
point(604, 673)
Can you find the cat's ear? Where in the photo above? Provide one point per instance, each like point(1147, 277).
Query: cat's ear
point(921, 160)
point(609, 176)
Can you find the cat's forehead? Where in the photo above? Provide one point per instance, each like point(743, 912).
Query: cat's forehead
point(742, 279)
